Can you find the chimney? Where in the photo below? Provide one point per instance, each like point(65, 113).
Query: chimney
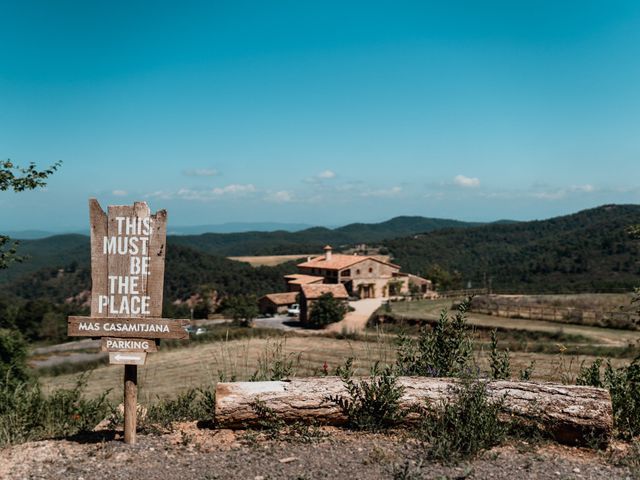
point(327, 253)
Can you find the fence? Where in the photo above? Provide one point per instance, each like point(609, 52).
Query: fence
point(600, 318)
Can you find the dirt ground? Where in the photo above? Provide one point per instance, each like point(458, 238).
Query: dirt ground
point(195, 453)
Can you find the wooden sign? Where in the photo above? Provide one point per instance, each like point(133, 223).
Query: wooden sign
point(110, 344)
point(127, 358)
point(128, 247)
point(127, 327)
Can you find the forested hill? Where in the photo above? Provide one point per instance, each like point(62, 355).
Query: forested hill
point(586, 251)
point(313, 239)
point(60, 251)
point(187, 272)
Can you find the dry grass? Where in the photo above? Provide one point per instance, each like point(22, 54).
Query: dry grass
point(269, 260)
point(585, 301)
point(430, 310)
point(170, 372)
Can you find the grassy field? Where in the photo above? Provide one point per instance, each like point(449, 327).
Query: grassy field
point(269, 260)
point(429, 310)
point(202, 365)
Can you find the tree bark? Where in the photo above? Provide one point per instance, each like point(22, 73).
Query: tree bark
point(571, 414)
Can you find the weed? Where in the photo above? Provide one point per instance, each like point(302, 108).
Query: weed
point(461, 428)
point(193, 405)
point(526, 374)
point(442, 351)
point(500, 363)
point(27, 414)
point(406, 471)
point(371, 404)
point(274, 364)
point(624, 386)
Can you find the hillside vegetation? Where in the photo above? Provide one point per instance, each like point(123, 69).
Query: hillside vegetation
point(586, 251)
point(60, 251)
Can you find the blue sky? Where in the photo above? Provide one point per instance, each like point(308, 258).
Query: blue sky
point(321, 112)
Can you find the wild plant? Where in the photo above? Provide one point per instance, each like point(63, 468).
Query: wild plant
point(372, 404)
point(499, 360)
point(444, 350)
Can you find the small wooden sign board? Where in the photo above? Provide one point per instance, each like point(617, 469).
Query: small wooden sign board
point(127, 358)
point(128, 247)
point(110, 344)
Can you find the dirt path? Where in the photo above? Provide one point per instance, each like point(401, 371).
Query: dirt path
point(356, 321)
point(192, 453)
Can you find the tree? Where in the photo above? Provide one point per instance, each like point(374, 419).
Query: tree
point(444, 279)
point(242, 308)
point(19, 179)
point(13, 357)
point(327, 309)
point(13, 350)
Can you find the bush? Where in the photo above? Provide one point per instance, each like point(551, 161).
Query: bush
point(624, 386)
point(371, 404)
point(27, 414)
point(193, 405)
point(499, 361)
point(445, 350)
point(13, 357)
point(242, 308)
point(326, 310)
point(274, 364)
point(460, 429)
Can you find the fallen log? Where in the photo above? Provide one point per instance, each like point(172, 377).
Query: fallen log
point(571, 414)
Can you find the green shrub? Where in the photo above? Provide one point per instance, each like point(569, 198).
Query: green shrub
point(372, 404)
point(445, 350)
point(13, 357)
point(193, 405)
point(326, 310)
point(460, 429)
point(28, 414)
point(274, 364)
point(624, 386)
point(499, 360)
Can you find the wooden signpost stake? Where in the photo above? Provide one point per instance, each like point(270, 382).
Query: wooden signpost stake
point(128, 247)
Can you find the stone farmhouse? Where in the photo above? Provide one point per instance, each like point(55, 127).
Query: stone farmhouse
point(344, 276)
point(277, 302)
point(362, 276)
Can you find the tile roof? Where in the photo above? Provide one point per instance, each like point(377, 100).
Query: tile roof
point(301, 279)
point(314, 291)
point(282, 298)
point(339, 261)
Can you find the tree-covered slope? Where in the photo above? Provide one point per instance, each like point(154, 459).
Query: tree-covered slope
point(589, 250)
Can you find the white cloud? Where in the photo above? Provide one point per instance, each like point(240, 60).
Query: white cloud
point(322, 176)
point(200, 172)
point(466, 182)
point(281, 196)
point(587, 188)
point(207, 194)
point(327, 174)
point(119, 193)
point(389, 192)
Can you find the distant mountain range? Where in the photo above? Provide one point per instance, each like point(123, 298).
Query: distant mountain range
point(231, 227)
point(588, 250)
point(62, 250)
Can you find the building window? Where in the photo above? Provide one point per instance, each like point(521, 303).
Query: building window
point(346, 273)
point(370, 270)
point(358, 271)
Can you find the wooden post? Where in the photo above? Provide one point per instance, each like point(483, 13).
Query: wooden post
point(130, 403)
